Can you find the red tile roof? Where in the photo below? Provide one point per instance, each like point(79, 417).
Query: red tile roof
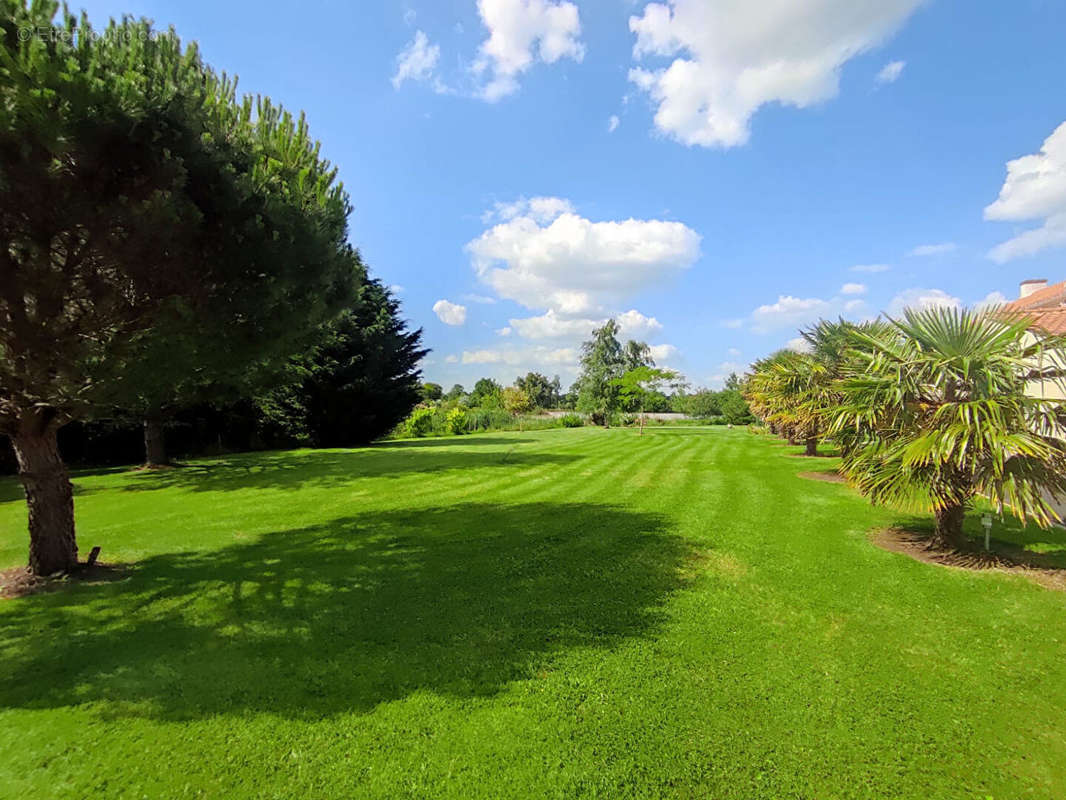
point(1049, 297)
point(1047, 307)
point(1050, 321)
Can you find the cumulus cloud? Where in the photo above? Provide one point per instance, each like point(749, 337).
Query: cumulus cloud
point(540, 253)
point(519, 356)
point(548, 257)
point(789, 312)
point(871, 268)
point(731, 57)
point(634, 325)
point(539, 209)
point(991, 300)
point(552, 325)
point(921, 298)
point(797, 312)
point(450, 313)
point(890, 72)
point(925, 250)
point(613, 123)
point(1035, 188)
point(521, 33)
point(662, 352)
point(417, 62)
point(798, 345)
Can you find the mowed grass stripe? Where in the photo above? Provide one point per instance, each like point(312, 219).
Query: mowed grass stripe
point(559, 613)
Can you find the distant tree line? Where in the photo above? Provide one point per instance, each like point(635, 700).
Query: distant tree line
point(616, 380)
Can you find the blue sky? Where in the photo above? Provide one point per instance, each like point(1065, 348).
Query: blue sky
point(710, 170)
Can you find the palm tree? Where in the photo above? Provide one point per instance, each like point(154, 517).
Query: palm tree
point(766, 397)
point(831, 351)
point(804, 387)
point(936, 413)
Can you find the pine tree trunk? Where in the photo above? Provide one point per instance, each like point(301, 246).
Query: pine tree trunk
point(49, 499)
point(812, 446)
point(155, 443)
point(949, 535)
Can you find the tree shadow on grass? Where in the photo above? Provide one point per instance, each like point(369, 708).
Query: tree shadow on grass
point(298, 469)
point(10, 489)
point(344, 616)
point(451, 441)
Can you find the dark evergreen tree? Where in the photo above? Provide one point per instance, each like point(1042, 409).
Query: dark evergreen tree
point(364, 379)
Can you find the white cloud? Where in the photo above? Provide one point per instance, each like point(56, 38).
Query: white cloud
point(789, 312)
point(450, 313)
point(890, 72)
point(1035, 188)
point(924, 250)
point(452, 359)
point(662, 352)
point(612, 123)
point(730, 57)
point(545, 256)
point(395, 288)
point(854, 305)
point(480, 299)
point(536, 356)
point(417, 61)
point(539, 209)
point(991, 300)
point(552, 325)
point(921, 298)
point(521, 33)
point(734, 352)
point(409, 16)
point(853, 288)
point(634, 325)
point(505, 331)
point(871, 268)
point(798, 345)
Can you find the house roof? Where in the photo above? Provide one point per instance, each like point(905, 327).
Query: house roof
point(1047, 307)
point(1049, 297)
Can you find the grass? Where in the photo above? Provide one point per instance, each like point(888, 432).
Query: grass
point(566, 613)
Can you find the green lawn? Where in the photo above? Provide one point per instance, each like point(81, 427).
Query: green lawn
point(566, 613)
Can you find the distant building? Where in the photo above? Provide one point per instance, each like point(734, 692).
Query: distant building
point(1047, 306)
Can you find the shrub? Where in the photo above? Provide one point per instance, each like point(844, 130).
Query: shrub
point(420, 423)
point(456, 421)
point(571, 421)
